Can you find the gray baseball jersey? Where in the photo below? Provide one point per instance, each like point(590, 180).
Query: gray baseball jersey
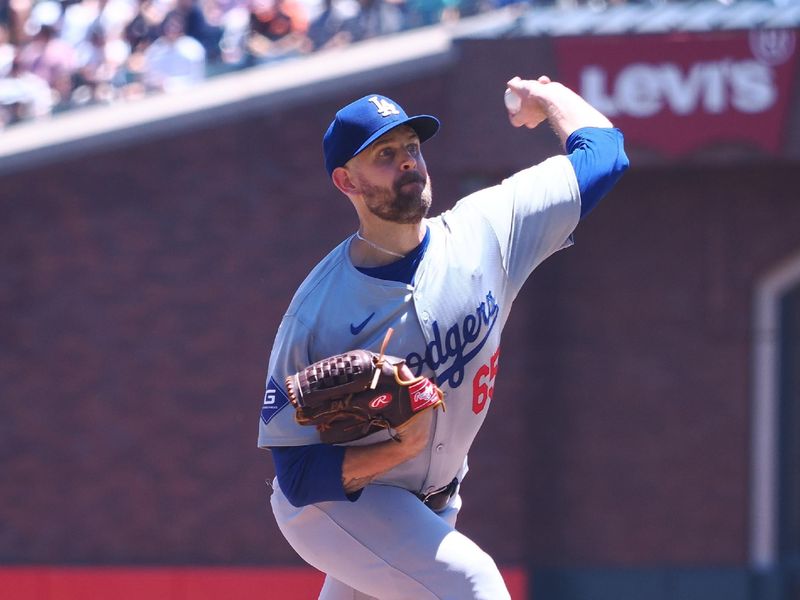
point(447, 324)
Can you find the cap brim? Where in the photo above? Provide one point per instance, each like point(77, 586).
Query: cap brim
point(425, 126)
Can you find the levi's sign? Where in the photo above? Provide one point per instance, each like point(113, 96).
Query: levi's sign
point(713, 87)
point(678, 93)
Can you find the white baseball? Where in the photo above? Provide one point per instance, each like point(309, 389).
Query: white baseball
point(513, 102)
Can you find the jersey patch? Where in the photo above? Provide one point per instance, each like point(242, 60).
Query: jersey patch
point(274, 400)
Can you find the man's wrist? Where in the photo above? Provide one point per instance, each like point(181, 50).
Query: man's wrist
point(362, 464)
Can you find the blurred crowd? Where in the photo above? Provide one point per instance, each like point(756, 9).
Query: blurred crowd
point(56, 55)
point(60, 54)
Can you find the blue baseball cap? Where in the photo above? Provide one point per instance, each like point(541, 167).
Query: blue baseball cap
point(362, 122)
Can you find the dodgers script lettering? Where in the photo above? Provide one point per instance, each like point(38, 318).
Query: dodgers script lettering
point(460, 344)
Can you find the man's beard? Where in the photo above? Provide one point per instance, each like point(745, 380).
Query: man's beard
point(397, 205)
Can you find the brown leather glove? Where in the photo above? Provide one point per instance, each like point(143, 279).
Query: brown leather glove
point(351, 395)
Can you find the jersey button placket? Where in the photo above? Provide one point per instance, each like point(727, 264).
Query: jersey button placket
point(423, 314)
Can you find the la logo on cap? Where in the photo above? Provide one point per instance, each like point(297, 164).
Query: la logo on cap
point(385, 108)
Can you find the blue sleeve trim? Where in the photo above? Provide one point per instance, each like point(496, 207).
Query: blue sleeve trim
point(598, 156)
point(309, 474)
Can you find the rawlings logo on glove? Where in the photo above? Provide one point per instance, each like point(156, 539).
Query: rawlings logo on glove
point(423, 394)
point(351, 395)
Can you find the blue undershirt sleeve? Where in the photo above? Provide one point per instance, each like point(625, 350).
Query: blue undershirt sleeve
point(598, 156)
point(309, 474)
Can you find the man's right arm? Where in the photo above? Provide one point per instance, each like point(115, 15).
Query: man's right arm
point(594, 147)
point(363, 463)
point(321, 472)
point(599, 160)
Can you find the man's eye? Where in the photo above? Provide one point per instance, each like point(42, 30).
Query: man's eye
point(413, 149)
point(386, 152)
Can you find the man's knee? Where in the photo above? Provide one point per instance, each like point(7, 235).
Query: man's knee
point(472, 577)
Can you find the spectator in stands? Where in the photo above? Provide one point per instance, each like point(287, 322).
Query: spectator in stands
point(78, 18)
point(422, 13)
point(112, 15)
point(100, 62)
point(23, 95)
point(198, 27)
point(329, 29)
point(7, 50)
point(175, 60)
point(17, 13)
point(145, 27)
point(143, 30)
point(233, 18)
point(235, 22)
point(115, 16)
point(277, 30)
point(214, 11)
point(375, 18)
point(46, 55)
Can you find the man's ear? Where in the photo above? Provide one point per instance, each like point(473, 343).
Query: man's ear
point(343, 181)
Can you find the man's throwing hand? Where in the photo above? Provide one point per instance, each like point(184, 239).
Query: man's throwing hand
point(531, 99)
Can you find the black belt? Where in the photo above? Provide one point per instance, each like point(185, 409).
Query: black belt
point(438, 499)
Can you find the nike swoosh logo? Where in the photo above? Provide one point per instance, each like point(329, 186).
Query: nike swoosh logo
point(356, 329)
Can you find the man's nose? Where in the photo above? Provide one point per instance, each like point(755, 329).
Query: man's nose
point(409, 162)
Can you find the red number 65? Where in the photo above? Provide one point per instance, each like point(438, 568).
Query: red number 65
point(483, 383)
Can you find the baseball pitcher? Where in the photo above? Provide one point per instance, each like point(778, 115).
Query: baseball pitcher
point(384, 365)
